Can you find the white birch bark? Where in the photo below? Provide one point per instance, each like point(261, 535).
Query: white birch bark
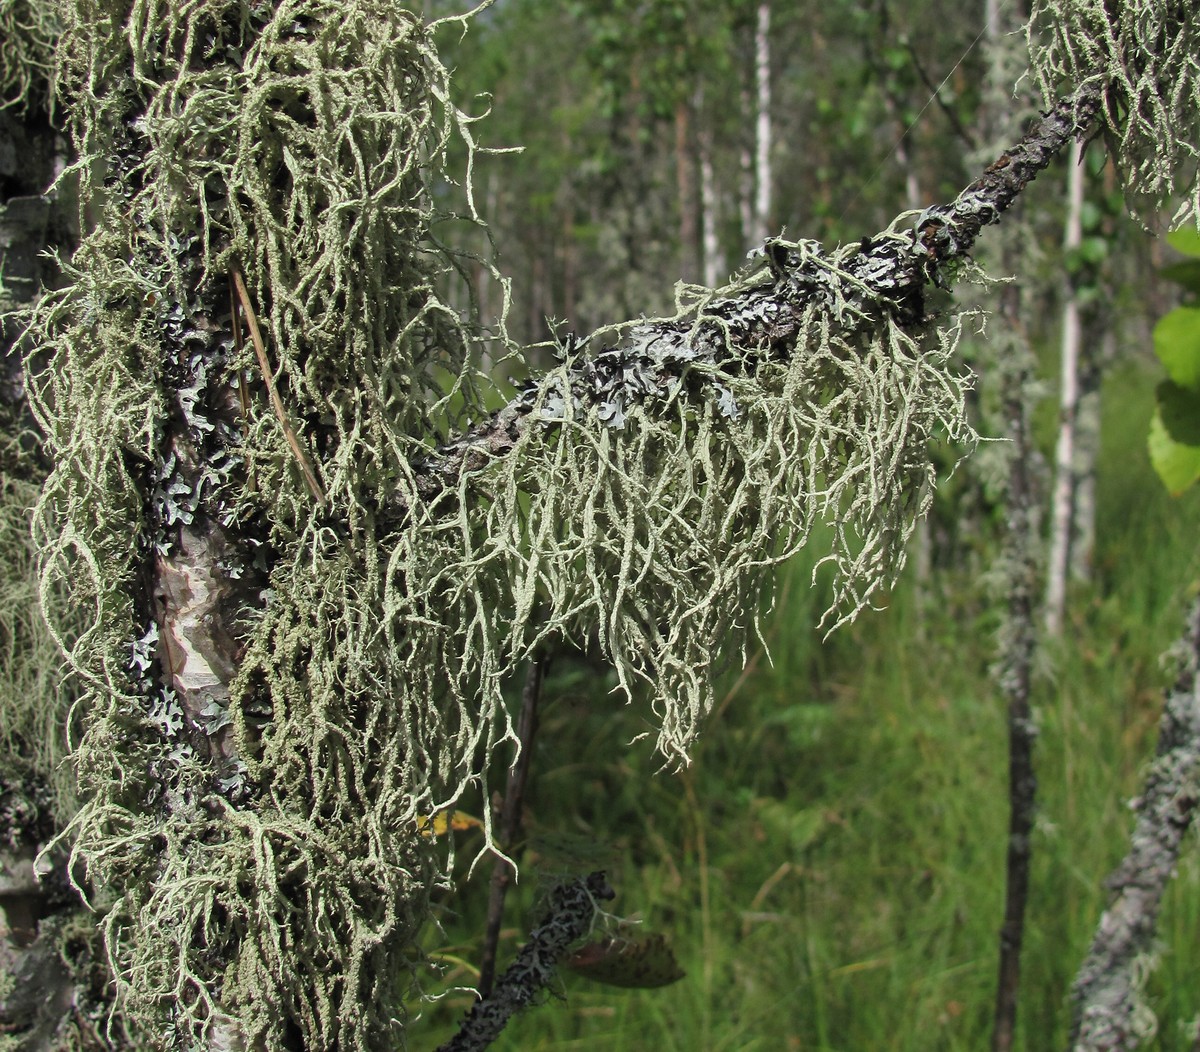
point(762, 125)
point(1087, 453)
point(713, 262)
point(1062, 501)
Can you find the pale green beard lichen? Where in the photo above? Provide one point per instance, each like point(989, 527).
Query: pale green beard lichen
point(28, 31)
point(298, 142)
point(298, 139)
point(34, 701)
point(658, 516)
point(1146, 53)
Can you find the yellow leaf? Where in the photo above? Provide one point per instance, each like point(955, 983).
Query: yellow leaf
point(444, 821)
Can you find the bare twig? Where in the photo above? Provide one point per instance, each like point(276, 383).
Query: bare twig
point(570, 914)
point(935, 91)
point(1108, 1010)
point(260, 350)
point(510, 818)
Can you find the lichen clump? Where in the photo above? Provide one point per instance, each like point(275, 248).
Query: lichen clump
point(28, 31)
point(280, 900)
point(656, 512)
point(1144, 54)
point(259, 860)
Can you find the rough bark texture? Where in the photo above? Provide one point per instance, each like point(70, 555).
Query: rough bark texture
point(1018, 643)
point(570, 915)
point(1109, 1012)
point(1017, 564)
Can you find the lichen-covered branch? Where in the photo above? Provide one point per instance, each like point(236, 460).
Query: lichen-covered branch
point(570, 914)
point(648, 483)
point(765, 311)
point(1110, 1014)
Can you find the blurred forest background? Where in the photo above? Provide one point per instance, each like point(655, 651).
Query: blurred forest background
point(830, 869)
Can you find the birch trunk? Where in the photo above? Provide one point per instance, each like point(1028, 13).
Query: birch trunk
point(760, 227)
point(713, 261)
point(1087, 444)
point(1062, 508)
point(686, 194)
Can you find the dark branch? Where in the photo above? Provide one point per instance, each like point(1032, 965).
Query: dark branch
point(935, 91)
point(510, 818)
point(570, 915)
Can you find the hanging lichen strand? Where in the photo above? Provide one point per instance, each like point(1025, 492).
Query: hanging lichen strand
point(28, 30)
point(301, 597)
point(647, 487)
point(1146, 54)
point(258, 740)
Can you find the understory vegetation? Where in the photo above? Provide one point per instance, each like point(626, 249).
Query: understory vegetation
point(368, 574)
point(830, 868)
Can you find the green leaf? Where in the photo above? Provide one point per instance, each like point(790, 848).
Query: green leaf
point(1174, 441)
point(1094, 249)
point(1090, 215)
point(1177, 344)
point(1186, 274)
point(1185, 240)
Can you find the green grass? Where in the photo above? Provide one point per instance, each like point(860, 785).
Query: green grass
point(830, 868)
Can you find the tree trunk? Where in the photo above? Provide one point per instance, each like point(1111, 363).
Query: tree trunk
point(1017, 638)
point(1099, 348)
point(761, 219)
point(1110, 1013)
point(714, 260)
point(1063, 499)
point(685, 194)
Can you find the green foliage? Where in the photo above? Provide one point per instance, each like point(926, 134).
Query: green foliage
point(1175, 427)
point(1143, 54)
